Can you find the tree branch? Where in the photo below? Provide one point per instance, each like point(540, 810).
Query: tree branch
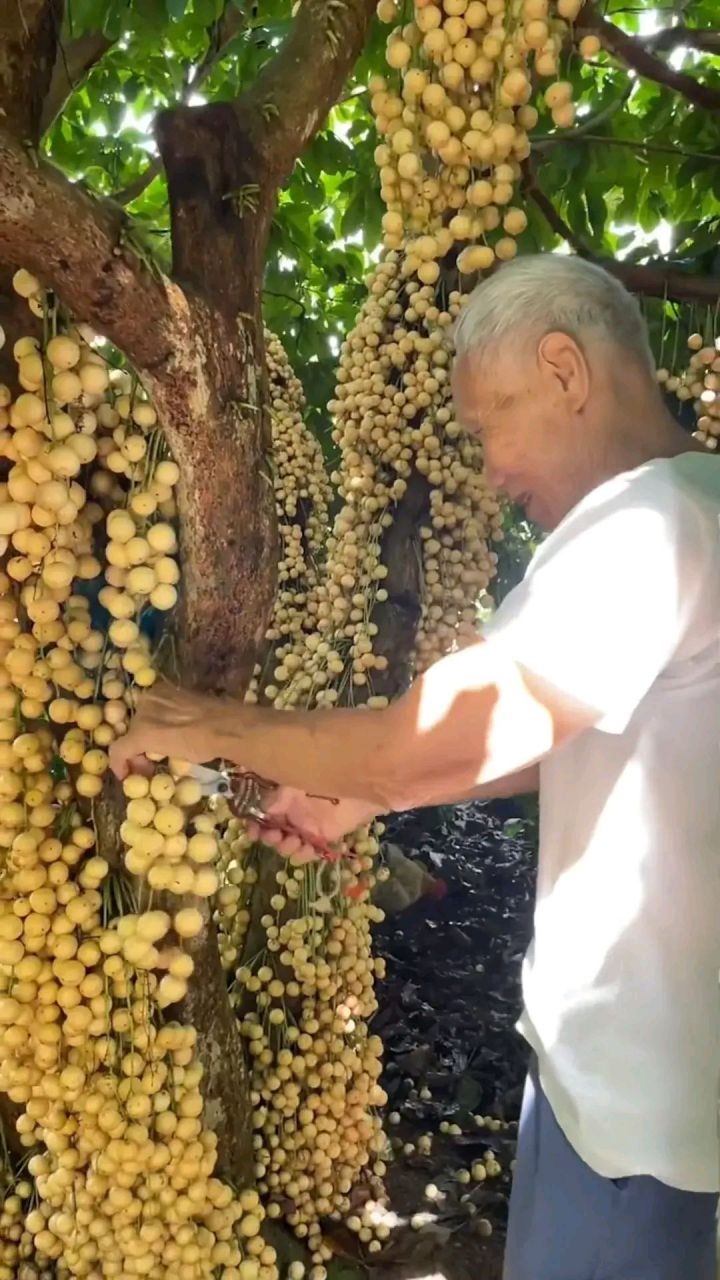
point(229, 25)
point(225, 161)
point(636, 55)
point(704, 41)
point(134, 189)
point(75, 245)
point(294, 92)
point(633, 144)
point(28, 42)
point(73, 63)
point(652, 280)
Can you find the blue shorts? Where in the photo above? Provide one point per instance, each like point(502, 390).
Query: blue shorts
point(568, 1223)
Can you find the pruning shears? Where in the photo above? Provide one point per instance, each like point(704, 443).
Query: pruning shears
point(243, 791)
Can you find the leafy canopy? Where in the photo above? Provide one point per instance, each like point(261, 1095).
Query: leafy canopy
point(638, 176)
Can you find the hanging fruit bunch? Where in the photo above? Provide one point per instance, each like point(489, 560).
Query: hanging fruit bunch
point(302, 495)
point(107, 1085)
point(700, 382)
point(455, 115)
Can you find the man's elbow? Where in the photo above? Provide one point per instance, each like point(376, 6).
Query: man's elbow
point(389, 780)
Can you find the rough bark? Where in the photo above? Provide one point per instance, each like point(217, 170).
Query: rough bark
point(28, 41)
point(398, 617)
point(220, 205)
point(211, 401)
point(225, 161)
point(294, 92)
point(77, 246)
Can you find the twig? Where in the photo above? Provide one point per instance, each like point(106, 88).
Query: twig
point(649, 147)
point(557, 222)
point(127, 194)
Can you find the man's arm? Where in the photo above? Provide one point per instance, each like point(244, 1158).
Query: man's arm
point(314, 821)
point(472, 719)
point(523, 783)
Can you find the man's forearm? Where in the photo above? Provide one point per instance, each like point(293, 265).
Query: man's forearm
point(464, 726)
point(326, 753)
point(300, 749)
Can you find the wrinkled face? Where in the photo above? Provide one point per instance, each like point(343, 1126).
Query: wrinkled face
point(525, 406)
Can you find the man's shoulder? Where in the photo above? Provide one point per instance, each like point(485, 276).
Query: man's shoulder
point(665, 502)
point(685, 487)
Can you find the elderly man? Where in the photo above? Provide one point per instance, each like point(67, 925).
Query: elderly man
point(599, 676)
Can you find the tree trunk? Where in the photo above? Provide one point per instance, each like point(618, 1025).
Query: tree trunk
point(196, 341)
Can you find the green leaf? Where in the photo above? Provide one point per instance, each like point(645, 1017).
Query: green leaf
point(113, 22)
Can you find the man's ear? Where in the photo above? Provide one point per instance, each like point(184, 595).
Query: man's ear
point(562, 360)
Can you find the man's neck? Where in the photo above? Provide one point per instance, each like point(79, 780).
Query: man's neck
point(662, 437)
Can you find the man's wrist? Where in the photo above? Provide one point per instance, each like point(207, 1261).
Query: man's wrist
point(228, 729)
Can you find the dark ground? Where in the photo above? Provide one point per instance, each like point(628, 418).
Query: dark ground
point(447, 1011)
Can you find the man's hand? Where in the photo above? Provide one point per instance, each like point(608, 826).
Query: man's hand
point(168, 722)
point(314, 820)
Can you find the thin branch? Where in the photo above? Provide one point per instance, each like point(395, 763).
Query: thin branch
point(229, 25)
point(704, 41)
point(74, 61)
point(78, 246)
point(652, 280)
point(574, 135)
point(127, 194)
point(636, 55)
point(557, 222)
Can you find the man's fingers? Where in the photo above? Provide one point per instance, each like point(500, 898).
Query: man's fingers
point(124, 761)
point(294, 845)
point(306, 853)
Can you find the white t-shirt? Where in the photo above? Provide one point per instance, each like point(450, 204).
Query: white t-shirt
point(620, 610)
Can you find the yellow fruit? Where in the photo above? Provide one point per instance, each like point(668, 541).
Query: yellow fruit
point(188, 922)
point(62, 352)
point(66, 387)
point(167, 472)
point(25, 284)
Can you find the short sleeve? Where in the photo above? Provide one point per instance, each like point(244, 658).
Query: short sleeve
point(612, 595)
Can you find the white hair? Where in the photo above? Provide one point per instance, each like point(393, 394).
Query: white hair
point(547, 293)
